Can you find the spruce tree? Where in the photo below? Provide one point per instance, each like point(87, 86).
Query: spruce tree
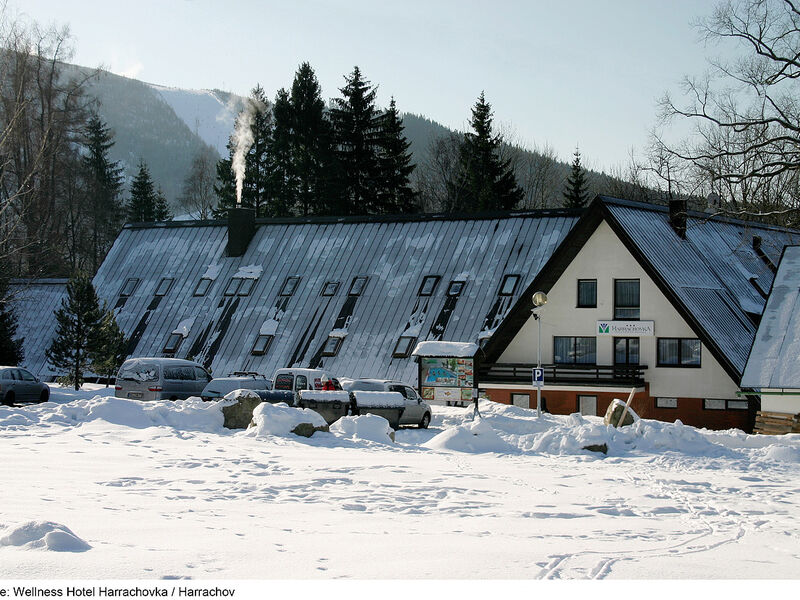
point(575, 193)
point(357, 126)
point(103, 180)
point(110, 350)
point(161, 211)
point(142, 204)
point(314, 164)
point(395, 195)
point(77, 331)
point(225, 187)
point(486, 182)
point(284, 181)
point(11, 352)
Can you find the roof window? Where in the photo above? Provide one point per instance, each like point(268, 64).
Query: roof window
point(405, 344)
point(202, 286)
point(173, 343)
point(289, 286)
point(239, 286)
point(164, 286)
point(262, 344)
point(330, 288)
point(129, 287)
point(357, 286)
point(455, 288)
point(429, 283)
point(509, 285)
point(332, 346)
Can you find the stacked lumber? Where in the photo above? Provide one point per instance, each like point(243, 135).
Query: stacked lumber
point(774, 423)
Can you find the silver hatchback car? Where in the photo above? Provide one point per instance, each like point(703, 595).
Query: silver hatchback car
point(160, 379)
point(20, 385)
point(417, 411)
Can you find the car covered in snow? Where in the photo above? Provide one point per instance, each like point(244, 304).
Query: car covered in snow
point(294, 380)
point(417, 411)
point(239, 380)
point(20, 385)
point(160, 379)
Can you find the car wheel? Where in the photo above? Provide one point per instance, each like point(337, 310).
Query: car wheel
point(426, 420)
point(8, 399)
point(44, 396)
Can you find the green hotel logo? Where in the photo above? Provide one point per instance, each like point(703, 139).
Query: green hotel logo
point(604, 327)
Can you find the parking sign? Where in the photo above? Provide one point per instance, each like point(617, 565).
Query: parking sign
point(538, 377)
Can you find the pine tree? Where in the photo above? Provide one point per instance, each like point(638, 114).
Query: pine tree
point(225, 187)
point(142, 204)
point(313, 161)
point(284, 181)
point(161, 211)
point(103, 178)
point(357, 135)
point(395, 195)
point(77, 331)
point(11, 352)
point(486, 183)
point(576, 193)
point(110, 350)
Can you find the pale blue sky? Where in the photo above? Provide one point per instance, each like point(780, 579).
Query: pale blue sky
point(586, 72)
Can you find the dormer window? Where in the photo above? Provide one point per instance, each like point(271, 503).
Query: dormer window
point(164, 286)
point(357, 286)
point(509, 285)
point(129, 287)
point(428, 286)
point(289, 286)
point(404, 346)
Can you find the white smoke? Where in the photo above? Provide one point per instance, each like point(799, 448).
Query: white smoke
point(242, 140)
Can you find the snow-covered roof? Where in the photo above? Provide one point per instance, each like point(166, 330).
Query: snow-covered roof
point(775, 358)
point(393, 254)
point(446, 349)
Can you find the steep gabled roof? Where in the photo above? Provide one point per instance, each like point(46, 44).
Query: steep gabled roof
point(775, 358)
point(35, 302)
point(716, 278)
point(394, 254)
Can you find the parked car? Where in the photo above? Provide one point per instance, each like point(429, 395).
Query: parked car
point(302, 379)
point(20, 385)
point(160, 379)
point(219, 386)
point(417, 412)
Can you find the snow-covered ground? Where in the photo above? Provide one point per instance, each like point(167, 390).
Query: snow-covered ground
point(104, 488)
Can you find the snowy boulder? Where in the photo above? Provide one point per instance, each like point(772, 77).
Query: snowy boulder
point(282, 420)
point(476, 437)
point(44, 535)
point(389, 405)
point(364, 427)
point(614, 414)
point(238, 408)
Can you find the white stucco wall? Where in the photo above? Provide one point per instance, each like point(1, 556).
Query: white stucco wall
point(789, 404)
point(605, 258)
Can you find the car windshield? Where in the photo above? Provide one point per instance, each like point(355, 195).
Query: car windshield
point(137, 370)
point(368, 386)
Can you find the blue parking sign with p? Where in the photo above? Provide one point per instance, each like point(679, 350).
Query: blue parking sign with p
point(538, 377)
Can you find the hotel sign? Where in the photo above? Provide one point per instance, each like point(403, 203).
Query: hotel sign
point(626, 328)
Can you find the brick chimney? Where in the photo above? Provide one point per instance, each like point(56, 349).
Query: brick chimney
point(241, 229)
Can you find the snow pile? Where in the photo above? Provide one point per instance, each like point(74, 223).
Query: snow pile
point(446, 349)
point(365, 427)
point(249, 272)
point(187, 415)
point(366, 399)
point(325, 396)
point(44, 535)
point(184, 327)
point(280, 419)
point(475, 437)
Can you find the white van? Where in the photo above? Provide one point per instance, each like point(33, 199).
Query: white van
point(160, 379)
point(295, 380)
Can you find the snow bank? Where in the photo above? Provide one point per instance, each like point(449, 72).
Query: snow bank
point(474, 437)
point(326, 395)
point(448, 349)
point(280, 419)
point(365, 427)
point(365, 399)
point(189, 415)
point(44, 535)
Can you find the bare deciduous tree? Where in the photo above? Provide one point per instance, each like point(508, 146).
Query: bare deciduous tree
point(198, 196)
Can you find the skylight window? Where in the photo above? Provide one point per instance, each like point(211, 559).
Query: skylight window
point(509, 285)
point(246, 287)
point(233, 286)
point(262, 344)
point(330, 288)
point(428, 286)
point(164, 286)
point(173, 343)
point(202, 286)
point(357, 286)
point(455, 288)
point(129, 287)
point(404, 346)
point(332, 346)
point(289, 286)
